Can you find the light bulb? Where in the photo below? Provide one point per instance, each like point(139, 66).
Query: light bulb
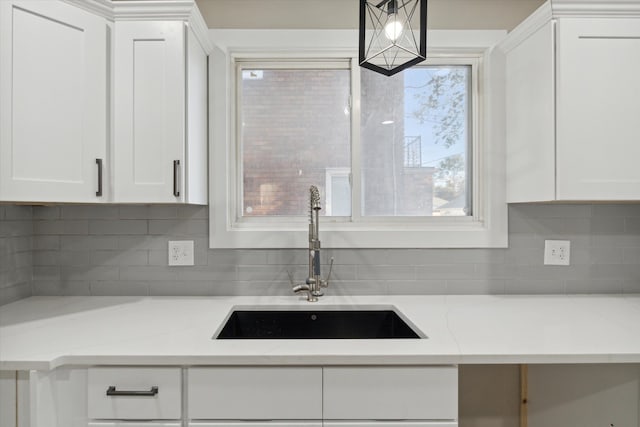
point(393, 29)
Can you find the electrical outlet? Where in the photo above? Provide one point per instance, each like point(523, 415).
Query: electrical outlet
point(557, 252)
point(181, 252)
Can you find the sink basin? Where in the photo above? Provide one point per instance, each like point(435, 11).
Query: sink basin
point(315, 324)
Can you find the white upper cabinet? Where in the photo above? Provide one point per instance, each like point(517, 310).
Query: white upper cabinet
point(573, 102)
point(149, 123)
point(103, 101)
point(160, 113)
point(54, 103)
point(598, 109)
point(197, 154)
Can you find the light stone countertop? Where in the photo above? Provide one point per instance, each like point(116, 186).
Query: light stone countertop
point(47, 332)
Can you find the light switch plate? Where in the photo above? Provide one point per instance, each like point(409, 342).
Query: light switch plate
point(181, 252)
point(557, 252)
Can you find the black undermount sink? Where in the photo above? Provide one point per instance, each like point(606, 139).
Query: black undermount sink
point(315, 324)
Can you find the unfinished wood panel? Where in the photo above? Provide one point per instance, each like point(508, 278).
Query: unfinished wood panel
point(489, 396)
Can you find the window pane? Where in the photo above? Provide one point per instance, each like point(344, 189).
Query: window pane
point(295, 128)
point(338, 192)
point(415, 142)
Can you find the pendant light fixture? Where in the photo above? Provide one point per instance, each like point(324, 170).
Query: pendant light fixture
point(393, 34)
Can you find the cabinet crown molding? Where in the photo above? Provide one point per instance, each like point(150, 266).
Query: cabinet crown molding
point(569, 9)
point(138, 10)
point(596, 8)
point(150, 10)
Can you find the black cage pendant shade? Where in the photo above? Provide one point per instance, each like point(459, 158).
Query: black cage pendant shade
point(393, 34)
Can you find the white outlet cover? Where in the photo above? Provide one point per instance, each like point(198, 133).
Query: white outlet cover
point(557, 252)
point(181, 252)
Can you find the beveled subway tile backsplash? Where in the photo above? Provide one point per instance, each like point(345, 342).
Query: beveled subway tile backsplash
point(122, 250)
point(16, 256)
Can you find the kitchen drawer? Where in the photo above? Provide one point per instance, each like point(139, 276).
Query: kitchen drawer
point(164, 405)
point(256, 424)
point(252, 393)
point(390, 424)
point(134, 424)
point(391, 393)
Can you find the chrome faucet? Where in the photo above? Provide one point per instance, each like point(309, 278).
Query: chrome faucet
point(314, 283)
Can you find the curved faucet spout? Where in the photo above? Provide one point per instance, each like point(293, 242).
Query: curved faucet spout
point(306, 288)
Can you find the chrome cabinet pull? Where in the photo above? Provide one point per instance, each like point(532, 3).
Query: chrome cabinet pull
point(111, 391)
point(99, 163)
point(176, 191)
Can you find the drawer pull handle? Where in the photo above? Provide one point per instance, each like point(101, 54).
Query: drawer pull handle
point(111, 391)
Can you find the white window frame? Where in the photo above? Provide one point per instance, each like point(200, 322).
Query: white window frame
point(487, 228)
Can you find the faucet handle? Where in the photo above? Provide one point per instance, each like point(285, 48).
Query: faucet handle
point(325, 283)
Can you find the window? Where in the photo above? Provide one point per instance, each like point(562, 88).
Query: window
point(295, 130)
point(415, 141)
point(400, 161)
point(295, 127)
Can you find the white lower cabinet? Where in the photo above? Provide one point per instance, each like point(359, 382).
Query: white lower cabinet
point(256, 424)
point(134, 424)
point(398, 396)
point(390, 423)
point(8, 399)
point(320, 424)
point(134, 393)
point(231, 396)
point(255, 393)
point(390, 393)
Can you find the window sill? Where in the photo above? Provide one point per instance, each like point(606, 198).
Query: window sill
point(456, 233)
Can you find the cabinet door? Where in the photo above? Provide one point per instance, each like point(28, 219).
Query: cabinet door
point(256, 424)
point(8, 398)
point(390, 424)
point(390, 393)
point(139, 393)
point(133, 424)
point(149, 111)
point(530, 118)
point(598, 107)
point(53, 109)
point(195, 172)
point(255, 393)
